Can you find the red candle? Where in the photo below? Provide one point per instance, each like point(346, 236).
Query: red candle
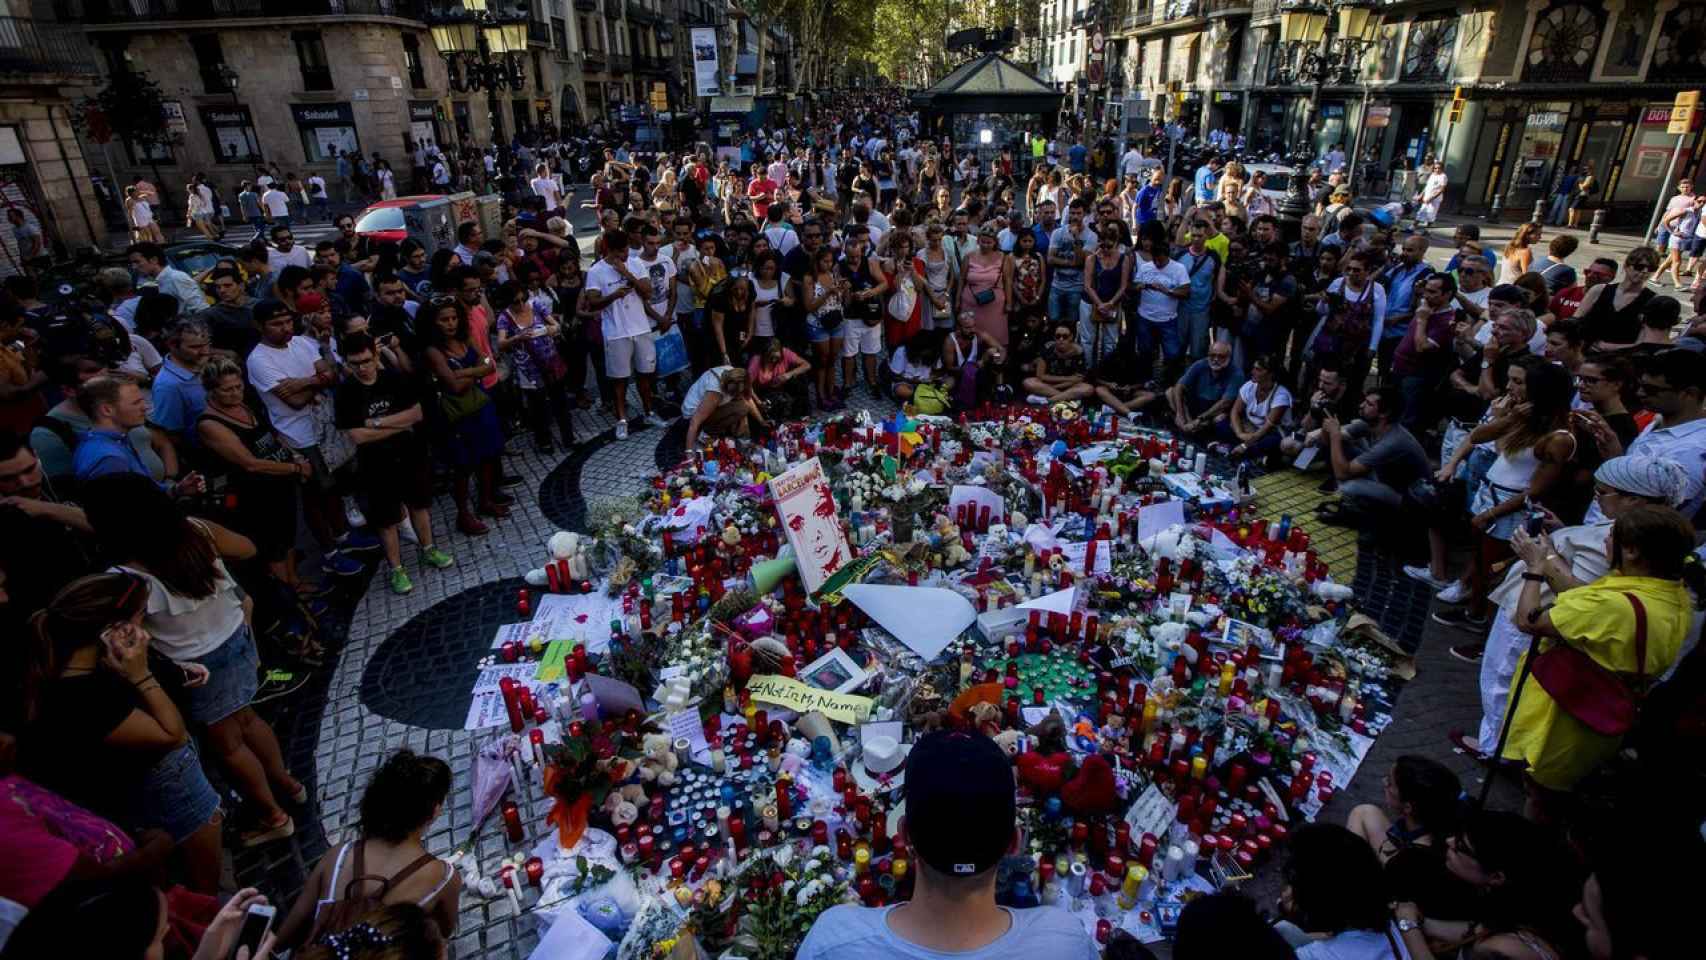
point(535, 868)
point(512, 820)
point(784, 799)
point(1146, 850)
point(522, 606)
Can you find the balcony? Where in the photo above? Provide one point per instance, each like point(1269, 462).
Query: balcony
point(28, 47)
point(586, 6)
point(1226, 8)
point(144, 11)
point(594, 58)
point(638, 13)
point(620, 63)
point(646, 63)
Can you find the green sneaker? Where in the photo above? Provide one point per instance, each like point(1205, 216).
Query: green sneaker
point(400, 582)
point(436, 558)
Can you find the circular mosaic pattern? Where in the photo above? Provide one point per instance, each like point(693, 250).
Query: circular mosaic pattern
point(423, 674)
point(560, 497)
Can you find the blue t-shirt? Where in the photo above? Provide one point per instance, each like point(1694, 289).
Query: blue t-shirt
point(1076, 155)
point(1202, 279)
point(1042, 234)
point(1146, 197)
point(1204, 184)
point(1401, 284)
point(854, 933)
point(178, 398)
point(1204, 388)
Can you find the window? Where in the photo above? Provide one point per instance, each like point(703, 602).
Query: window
point(412, 60)
point(311, 57)
point(209, 57)
point(560, 36)
point(232, 133)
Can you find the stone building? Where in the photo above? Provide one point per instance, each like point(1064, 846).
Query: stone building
point(43, 174)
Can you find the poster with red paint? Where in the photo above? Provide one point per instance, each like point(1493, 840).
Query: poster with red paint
point(811, 521)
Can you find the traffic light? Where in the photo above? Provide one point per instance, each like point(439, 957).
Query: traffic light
point(1455, 113)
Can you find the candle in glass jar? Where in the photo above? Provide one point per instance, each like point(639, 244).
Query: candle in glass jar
point(512, 820)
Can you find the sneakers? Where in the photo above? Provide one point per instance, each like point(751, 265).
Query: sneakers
point(1453, 592)
point(511, 480)
point(1426, 576)
point(339, 563)
point(353, 513)
point(436, 558)
point(406, 530)
point(358, 541)
point(1462, 619)
point(1037, 400)
point(621, 429)
point(654, 420)
point(400, 582)
point(1468, 652)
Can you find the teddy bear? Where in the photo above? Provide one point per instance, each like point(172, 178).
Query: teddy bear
point(659, 762)
point(1009, 741)
point(985, 718)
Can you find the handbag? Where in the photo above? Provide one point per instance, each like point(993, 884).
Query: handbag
point(984, 298)
point(336, 448)
point(458, 407)
point(1586, 690)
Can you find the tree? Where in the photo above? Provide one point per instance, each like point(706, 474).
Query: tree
point(135, 112)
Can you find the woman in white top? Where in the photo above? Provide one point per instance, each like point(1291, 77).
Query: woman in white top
point(387, 181)
point(665, 196)
point(1262, 403)
point(197, 614)
point(769, 287)
point(141, 214)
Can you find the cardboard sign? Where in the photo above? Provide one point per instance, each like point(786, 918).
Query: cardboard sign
point(811, 521)
point(804, 698)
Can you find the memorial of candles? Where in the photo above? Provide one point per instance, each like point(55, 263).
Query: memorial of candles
point(1167, 666)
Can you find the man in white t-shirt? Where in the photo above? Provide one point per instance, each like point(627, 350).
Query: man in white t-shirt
point(545, 185)
point(1432, 195)
point(619, 296)
point(277, 205)
point(440, 174)
point(284, 252)
point(658, 268)
point(290, 374)
point(1162, 284)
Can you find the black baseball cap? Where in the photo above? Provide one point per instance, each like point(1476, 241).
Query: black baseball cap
point(960, 809)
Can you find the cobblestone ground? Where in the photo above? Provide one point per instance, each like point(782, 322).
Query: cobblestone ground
point(405, 663)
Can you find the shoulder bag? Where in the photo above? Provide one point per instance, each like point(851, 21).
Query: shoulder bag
point(1603, 701)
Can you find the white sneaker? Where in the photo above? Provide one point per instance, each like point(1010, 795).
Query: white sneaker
point(353, 514)
point(1455, 592)
point(656, 421)
point(621, 429)
point(1426, 576)
point(406, 530)
point(1037, 400)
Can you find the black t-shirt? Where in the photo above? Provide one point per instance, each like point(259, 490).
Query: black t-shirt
point(40, 556)
point(65, 748)
point(356, 402)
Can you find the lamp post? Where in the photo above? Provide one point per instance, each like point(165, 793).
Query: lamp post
point(482, 50)
point(231, 79)
point(1314, 54)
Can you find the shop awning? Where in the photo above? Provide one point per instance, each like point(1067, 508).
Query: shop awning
point(732, 104)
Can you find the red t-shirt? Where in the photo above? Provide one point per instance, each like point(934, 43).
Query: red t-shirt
point(760, 190)
point(1567, 301)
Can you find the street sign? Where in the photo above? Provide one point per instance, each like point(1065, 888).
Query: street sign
point(1682, 112)
point(1379, 114)
point(1095, 73)
point(1098, 41)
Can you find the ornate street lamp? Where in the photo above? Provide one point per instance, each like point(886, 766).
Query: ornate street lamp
point(482, 48)
point(1313, 53)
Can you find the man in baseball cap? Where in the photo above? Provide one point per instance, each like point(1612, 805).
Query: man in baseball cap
point(959, 824)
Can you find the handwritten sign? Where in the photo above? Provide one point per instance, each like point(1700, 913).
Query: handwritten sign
point(804, 698)
point(1152, 813)
point(811, 521)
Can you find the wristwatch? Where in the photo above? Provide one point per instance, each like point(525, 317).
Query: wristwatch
point(1405, 925)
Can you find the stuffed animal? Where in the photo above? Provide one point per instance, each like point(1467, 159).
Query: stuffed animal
point(1092, 791)
point(985, 718)
point(1008, 741)
point(659, 762)
point(1044, 773)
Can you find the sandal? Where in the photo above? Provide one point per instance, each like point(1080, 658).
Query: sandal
point(301, 647)
point(266, 833)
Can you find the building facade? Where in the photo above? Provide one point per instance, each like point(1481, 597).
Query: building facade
point(1548, 86)
point(43, 174)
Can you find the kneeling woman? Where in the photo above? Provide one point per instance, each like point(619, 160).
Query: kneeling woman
point(723, 405)
point(778, 378)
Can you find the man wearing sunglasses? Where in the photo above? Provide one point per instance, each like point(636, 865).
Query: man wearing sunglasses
point(1672, 385)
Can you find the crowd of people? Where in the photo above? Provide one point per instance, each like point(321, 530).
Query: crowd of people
point(189, 466)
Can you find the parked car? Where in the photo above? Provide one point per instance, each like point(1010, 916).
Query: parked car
point(430, 218)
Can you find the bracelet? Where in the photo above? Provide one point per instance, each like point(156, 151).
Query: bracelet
point(1533, 577)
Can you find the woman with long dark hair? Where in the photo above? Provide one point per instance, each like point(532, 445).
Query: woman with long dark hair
point(471, 437)
point(100, 728)
point(196, 614)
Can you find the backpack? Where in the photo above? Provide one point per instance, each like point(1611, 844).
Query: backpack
point(64, 486)
point(352, 903)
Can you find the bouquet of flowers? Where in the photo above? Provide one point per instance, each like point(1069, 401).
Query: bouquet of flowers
point(777, 917)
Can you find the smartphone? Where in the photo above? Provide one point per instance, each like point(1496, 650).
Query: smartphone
point(256, 923)
point(1535, 524)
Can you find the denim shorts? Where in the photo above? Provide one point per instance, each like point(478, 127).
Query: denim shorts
point(175, 796)
point(233, 677)
point(815, 333)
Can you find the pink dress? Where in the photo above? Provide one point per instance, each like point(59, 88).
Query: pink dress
point(991, 316)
